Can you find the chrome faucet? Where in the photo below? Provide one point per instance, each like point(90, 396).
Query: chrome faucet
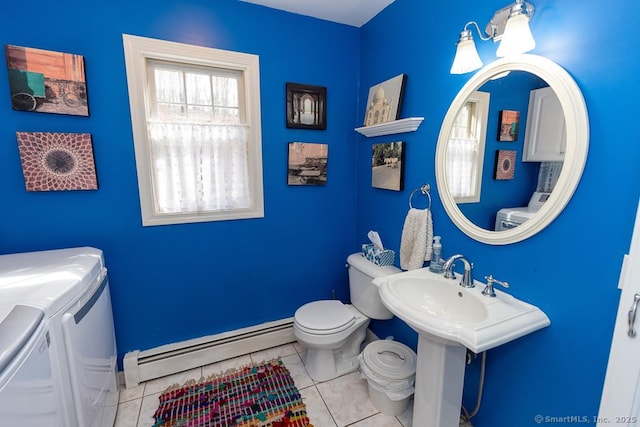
point(467, 277)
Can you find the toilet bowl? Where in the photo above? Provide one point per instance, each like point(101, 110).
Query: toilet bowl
point(333, 332)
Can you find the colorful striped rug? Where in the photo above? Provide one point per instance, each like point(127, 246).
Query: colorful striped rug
point(254, 396)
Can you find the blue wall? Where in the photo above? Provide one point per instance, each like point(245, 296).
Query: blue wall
point(570, 269)
point(172, 283)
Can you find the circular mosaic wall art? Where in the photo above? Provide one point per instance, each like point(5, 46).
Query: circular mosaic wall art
point(57, 161)
point(505, 164)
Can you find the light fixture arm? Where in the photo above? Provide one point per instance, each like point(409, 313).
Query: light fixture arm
point(466, 33)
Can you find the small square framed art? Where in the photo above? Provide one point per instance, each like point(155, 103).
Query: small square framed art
point(306, 106)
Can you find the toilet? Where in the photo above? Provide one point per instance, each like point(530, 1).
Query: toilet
point(333, 332)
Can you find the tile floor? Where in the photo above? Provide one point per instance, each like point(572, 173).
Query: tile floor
point(340, 402)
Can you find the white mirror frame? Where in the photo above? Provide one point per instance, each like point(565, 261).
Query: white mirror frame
point(577, 126)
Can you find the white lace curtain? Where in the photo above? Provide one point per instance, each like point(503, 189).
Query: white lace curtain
point(199, 167)
point(462, 154)
point(199, 150)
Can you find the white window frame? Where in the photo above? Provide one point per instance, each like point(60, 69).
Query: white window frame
point(138, 51)
point(478, 130)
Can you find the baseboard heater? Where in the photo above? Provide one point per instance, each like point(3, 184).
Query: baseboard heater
point(169, 359)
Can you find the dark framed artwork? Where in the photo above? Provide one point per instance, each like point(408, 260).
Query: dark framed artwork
point(306, 106)
point(307, 163)
point(384, 101)
point(45, 81)
point(387, 166)
point(508, 125)
point(505, 164)
point(57, 161)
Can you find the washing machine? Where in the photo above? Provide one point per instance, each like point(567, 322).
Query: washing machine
point(28, 393)
point(71, 288)
point(508, 218)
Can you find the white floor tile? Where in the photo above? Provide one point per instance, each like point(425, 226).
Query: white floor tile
point(128, 413)
point(317, 411)
point(133, 393)
point(149, 405)
point(295, 366)
point(378, 420)
point(300, 348)
point(273, 353)
point(161, 384)
point(347, 398)
point(226, 365)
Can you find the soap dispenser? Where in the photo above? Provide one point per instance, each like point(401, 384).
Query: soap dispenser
point(437, 263)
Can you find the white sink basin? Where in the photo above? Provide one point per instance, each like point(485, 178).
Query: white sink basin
point(442, 309)
point(449, 319)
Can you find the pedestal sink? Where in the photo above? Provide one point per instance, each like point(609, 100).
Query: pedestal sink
point(449, 319)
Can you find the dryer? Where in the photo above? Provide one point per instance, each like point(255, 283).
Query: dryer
point(71, 288)
point(508, 218)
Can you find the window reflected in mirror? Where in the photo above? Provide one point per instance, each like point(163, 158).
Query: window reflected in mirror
point(465, 151)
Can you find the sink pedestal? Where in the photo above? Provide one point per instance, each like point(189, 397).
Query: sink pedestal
point(439, 382)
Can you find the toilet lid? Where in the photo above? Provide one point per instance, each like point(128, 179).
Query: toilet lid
point(324, 317)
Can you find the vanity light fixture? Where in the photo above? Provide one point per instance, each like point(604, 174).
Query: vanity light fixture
point(467, 58)
point(509, 25)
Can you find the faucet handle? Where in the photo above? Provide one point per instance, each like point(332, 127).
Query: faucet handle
point(488, 290)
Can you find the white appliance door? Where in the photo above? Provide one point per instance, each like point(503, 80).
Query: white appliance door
point(620, 403)
point(28, 394)
point(91, 351)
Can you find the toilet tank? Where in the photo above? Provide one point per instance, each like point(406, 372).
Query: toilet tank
point(364, 293)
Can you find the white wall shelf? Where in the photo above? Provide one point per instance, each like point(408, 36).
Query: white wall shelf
point(410, 124)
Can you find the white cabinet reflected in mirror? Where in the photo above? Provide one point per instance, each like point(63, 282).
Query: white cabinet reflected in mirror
point(546, 133)
point(550, 149)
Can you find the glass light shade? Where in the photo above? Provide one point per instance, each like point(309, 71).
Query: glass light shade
point(466, 59)
point(517, 37)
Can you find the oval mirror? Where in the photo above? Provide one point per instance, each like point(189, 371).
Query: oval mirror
point(470, 107)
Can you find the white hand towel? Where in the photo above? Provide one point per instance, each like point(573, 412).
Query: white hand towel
point(417, 239)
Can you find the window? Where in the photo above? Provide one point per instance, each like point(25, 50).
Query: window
point(195, 114)
point(465, 151)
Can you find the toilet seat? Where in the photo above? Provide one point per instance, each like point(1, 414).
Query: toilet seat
point(324, 317)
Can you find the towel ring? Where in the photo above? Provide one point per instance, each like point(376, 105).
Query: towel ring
point(424, 189)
